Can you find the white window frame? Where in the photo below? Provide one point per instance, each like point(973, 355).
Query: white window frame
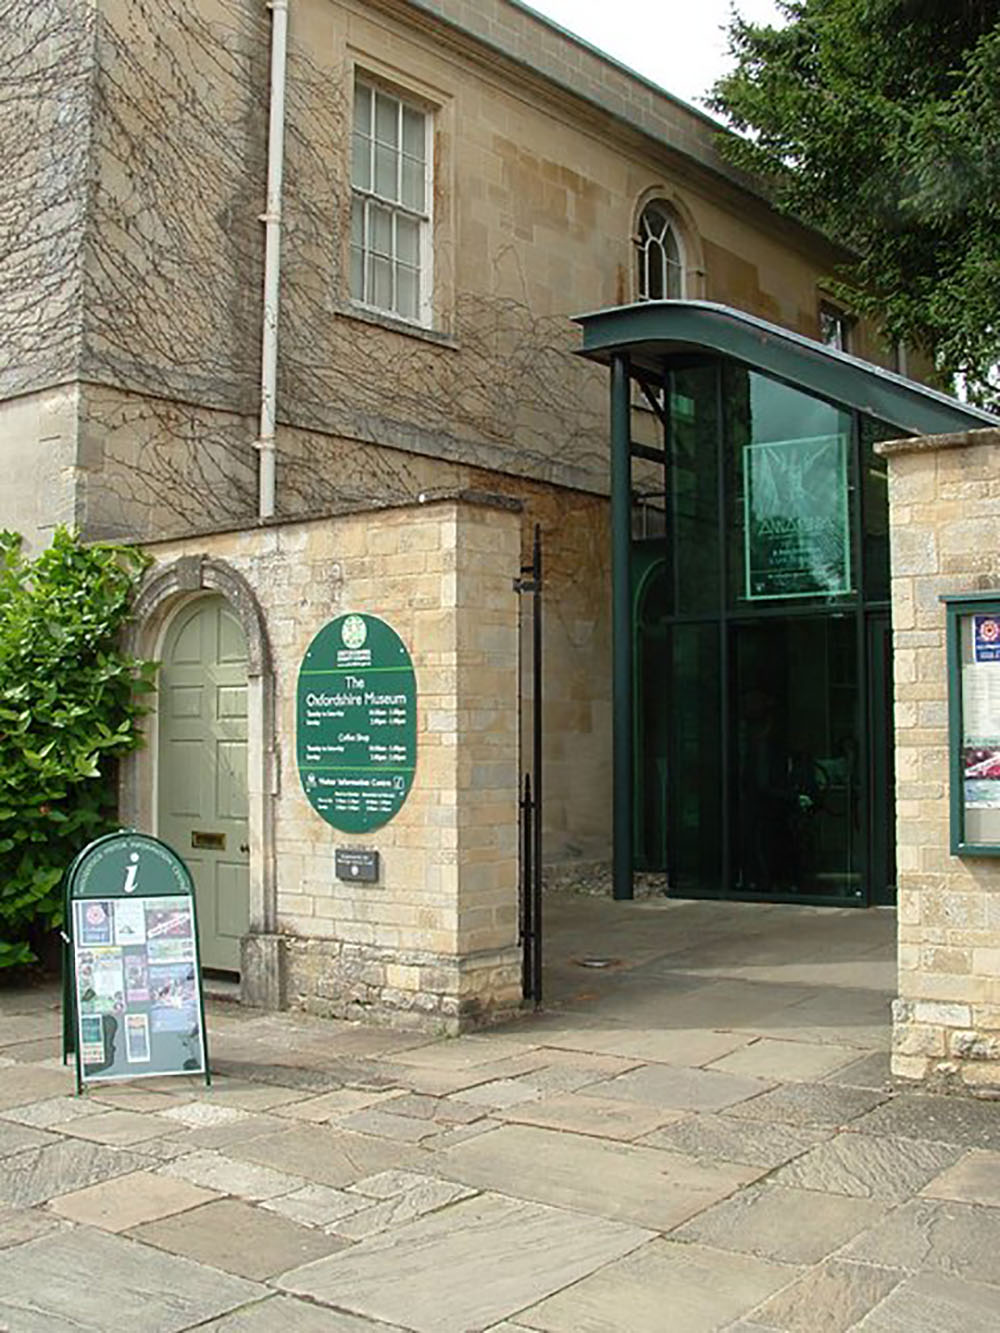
point(834, 327)
point(648, 245)
point(369, 197)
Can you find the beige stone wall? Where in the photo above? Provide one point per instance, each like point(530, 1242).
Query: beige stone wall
point(434, 943)
point(39, 479)
point(944, 496)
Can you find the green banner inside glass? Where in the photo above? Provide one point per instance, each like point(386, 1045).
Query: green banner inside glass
point(796, 529)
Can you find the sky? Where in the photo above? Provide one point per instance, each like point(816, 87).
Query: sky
point(679, 44)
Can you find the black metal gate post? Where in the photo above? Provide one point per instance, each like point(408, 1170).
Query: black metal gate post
point(530, 802)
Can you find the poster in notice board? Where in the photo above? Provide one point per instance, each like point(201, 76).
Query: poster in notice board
point(132, 982)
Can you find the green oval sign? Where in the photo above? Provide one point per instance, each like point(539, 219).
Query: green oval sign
point(356, 723)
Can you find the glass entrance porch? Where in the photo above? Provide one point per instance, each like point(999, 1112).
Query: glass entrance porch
point(753, 663)
point(753, 679)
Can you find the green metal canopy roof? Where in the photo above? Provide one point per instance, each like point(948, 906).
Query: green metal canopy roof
point(650, 332)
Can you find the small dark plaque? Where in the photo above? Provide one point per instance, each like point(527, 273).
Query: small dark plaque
point(356, 863)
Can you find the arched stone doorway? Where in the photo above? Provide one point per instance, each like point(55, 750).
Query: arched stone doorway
point(163, 602)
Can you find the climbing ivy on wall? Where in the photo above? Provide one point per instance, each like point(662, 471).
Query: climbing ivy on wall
point(70, 704)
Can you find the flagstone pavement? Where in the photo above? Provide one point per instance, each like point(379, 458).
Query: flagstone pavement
point(701, 1134)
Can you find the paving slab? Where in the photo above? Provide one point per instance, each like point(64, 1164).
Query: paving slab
point(466, 1052)
point(958, 1239)
point(474, 1264)
point(976, 1124)
point(938, 1304)
point(30, 1083)
point(868, 1166)
point(49, 1112)
point(41, 1173)
point(137, 1098)
point(227, 1133)
point(792, 1226)
point(238, 1238)
point(317, 1205)
point(644, 1186)
point(673, 1046)
point(249, 1096)
point(785, 1061)
point(823, 1105)
point(421, 1107)
point(324, 1155)
point(286, 1314)
point(18, 1028)
point(679, 1089)
point(116, 1128)
point(428, 1197)
point(20, 1224)
point(247, 1180)
point(388, 1184)
point(600, 1116)
point(15, 1138)
point(716, 1138)
point(60, 1284)
point(332, 1105)
point(663, 1286)
point(973, 1179)
point(497, 1094)
point(828, 1299)
point(142, 1196)
point(386, 1125)
point(870, 1071)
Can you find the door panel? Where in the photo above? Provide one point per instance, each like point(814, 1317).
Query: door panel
point(203, 769)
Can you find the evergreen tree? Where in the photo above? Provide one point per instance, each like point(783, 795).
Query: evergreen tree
point(878, 121)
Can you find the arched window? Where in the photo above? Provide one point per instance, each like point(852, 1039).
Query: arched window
point(661, 269)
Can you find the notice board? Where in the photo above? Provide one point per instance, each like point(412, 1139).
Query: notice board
point(356, 723)
point(133, 1004)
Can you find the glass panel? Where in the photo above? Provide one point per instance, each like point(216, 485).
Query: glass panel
point(407, 291)
point(361, 166)
point(386, 119)
point(357, 222)
point(357, 273)
point(693, 500)
point(380, 282)
point(688, 778)
point(385, 172)
point(408, 241)
point(413, 132)
point(380, 229)
point(875, 500)
point(412, 184)
point(797, 828)
point(788, 476)
point(362, 109)
point(654, 272)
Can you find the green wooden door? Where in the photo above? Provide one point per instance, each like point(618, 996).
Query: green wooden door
point(202, 799)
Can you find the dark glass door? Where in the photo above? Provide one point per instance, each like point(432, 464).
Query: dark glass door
point(794, 747)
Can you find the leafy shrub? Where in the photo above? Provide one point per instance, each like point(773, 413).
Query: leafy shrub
point(70, 703)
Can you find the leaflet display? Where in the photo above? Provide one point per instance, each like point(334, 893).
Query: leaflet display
point(132, 986)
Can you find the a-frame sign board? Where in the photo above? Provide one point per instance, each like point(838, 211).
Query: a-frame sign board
point(132, 997)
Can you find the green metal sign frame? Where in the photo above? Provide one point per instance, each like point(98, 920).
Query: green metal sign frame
point(356, 723)
point(973, 743)
point(132, 999)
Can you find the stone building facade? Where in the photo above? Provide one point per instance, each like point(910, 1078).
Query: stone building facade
point(944, 494)
point(131, 326)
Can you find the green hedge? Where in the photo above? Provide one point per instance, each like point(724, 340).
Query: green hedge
point(70, 704)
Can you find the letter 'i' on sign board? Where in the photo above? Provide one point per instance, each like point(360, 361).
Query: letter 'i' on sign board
point(132, 998)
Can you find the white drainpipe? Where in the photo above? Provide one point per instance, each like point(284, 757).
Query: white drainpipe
point(272, 258)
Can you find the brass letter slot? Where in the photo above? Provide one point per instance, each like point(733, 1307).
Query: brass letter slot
point(212, 842)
